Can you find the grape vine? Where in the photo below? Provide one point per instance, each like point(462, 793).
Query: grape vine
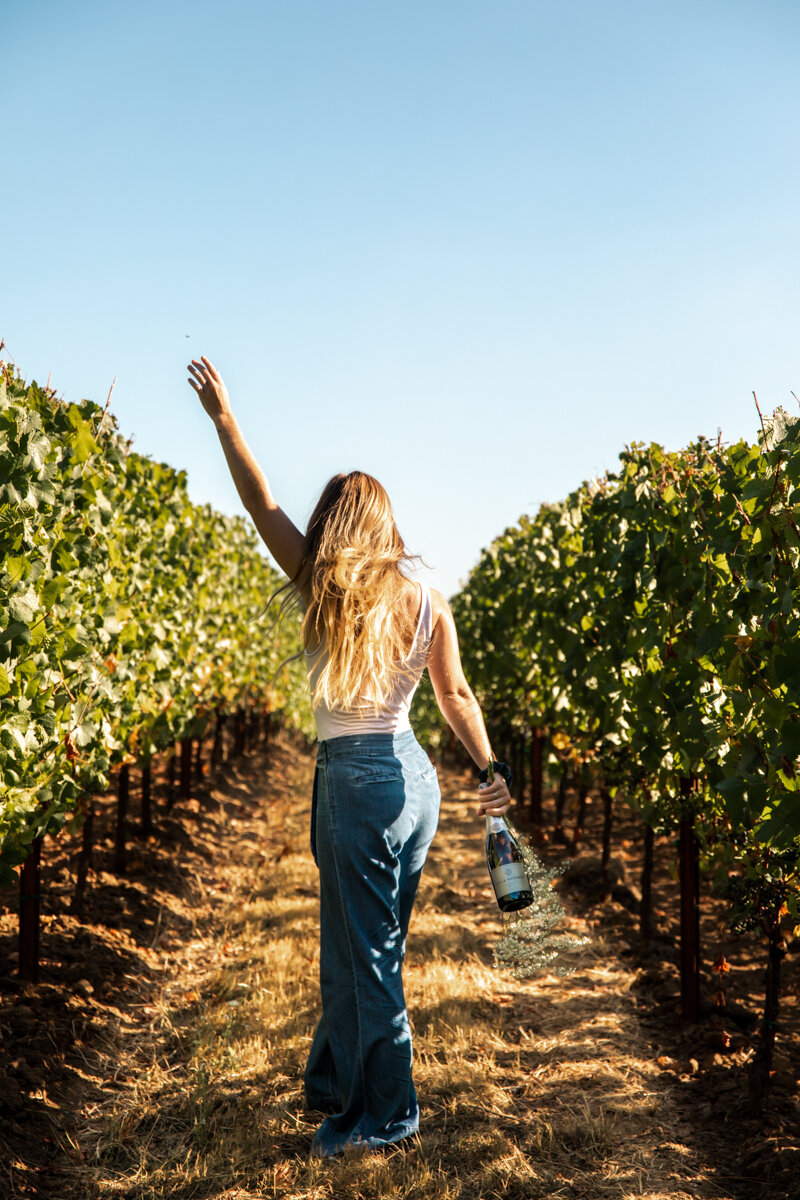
point(130, 614)
point(649, 628)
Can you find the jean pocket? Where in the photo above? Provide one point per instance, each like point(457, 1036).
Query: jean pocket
point(379, 775)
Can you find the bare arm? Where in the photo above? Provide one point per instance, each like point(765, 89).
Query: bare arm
point(283, 539)
point(458, 705)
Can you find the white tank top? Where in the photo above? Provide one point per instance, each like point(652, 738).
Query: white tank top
point(393, 716)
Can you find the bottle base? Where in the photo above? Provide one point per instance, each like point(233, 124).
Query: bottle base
point(514, 903)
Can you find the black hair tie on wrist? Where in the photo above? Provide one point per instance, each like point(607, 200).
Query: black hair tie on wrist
point(500, 768)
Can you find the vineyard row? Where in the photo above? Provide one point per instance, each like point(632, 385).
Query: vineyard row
point(643, 637)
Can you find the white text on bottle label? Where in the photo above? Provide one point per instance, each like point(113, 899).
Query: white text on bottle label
point(510, 877)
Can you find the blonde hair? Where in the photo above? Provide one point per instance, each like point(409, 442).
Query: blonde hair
point(354, 592)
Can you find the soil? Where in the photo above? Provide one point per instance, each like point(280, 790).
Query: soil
point(74, 1043)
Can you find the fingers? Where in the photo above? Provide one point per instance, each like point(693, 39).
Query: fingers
point(212, 370)
point(496, 811)
point(498, 787)
point(495, 798)
point(202, 379)
point(198, 370)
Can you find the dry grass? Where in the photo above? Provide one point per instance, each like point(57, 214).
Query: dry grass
point(545, 1088)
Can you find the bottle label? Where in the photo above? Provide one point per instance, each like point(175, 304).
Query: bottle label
point(510, 877)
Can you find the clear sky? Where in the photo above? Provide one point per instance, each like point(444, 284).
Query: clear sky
point(473, 248)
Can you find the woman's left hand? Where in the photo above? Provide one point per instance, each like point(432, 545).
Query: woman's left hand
point(495, 797)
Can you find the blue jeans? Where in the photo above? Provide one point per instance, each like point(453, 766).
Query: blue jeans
point(374, 812)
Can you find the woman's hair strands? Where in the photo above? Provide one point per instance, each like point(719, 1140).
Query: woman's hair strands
point(354, 592)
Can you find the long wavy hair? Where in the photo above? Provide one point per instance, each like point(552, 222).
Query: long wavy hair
point(351, 585)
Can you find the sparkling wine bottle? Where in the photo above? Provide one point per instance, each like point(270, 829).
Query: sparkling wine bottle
point(506, 865)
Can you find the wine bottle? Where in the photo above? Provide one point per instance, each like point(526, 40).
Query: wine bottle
point(506, 864)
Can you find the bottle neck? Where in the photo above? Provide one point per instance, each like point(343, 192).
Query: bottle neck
point(494, 824)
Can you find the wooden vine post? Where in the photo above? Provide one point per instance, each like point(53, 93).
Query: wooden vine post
point(252, 727)
point(508, 754)
point(171, 772)
point(536, 764)
point(245, 729)
point(120, 834)
point(217, 748)
point(561, 797)
point(147, 802)
point(758, 1079)
point(646, 906)
point(689, 871)
point(518, 768)
point(583, 793)
point(186, 768)
point(238, 739)
point(199, 763)
point(84, 861)
point(29, 908)
point(607, 822)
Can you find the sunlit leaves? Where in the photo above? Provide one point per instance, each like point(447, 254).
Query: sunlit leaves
point(127, 612)
point(651, 624)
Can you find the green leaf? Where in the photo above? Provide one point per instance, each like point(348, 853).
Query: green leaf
point(790, 739)
point(23, 607)
point(83, 734)
point(15, 568)
point(734, 792)
point(83, 444)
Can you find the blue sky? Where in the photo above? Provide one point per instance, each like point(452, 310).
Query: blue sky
point(472, 248)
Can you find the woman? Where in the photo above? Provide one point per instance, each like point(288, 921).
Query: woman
point(369, 632)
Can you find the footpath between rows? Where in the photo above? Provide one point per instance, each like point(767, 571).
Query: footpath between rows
point(160, 1057)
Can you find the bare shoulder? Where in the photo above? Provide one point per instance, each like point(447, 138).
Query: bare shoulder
point(439, 600)
point(439, 606)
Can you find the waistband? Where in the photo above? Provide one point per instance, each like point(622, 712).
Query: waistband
point(370, 744)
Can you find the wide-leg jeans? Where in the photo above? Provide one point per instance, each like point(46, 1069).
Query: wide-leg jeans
point(375, 808)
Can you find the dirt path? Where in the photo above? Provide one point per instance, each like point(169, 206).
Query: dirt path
point(175, 1067)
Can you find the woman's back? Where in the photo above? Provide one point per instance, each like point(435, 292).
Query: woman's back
point(392, 715)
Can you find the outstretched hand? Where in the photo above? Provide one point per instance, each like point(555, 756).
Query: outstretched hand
point(207, 382)
point(495, 797)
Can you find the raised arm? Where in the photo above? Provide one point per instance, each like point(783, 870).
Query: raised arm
point(283, 539)
point(457, 702)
